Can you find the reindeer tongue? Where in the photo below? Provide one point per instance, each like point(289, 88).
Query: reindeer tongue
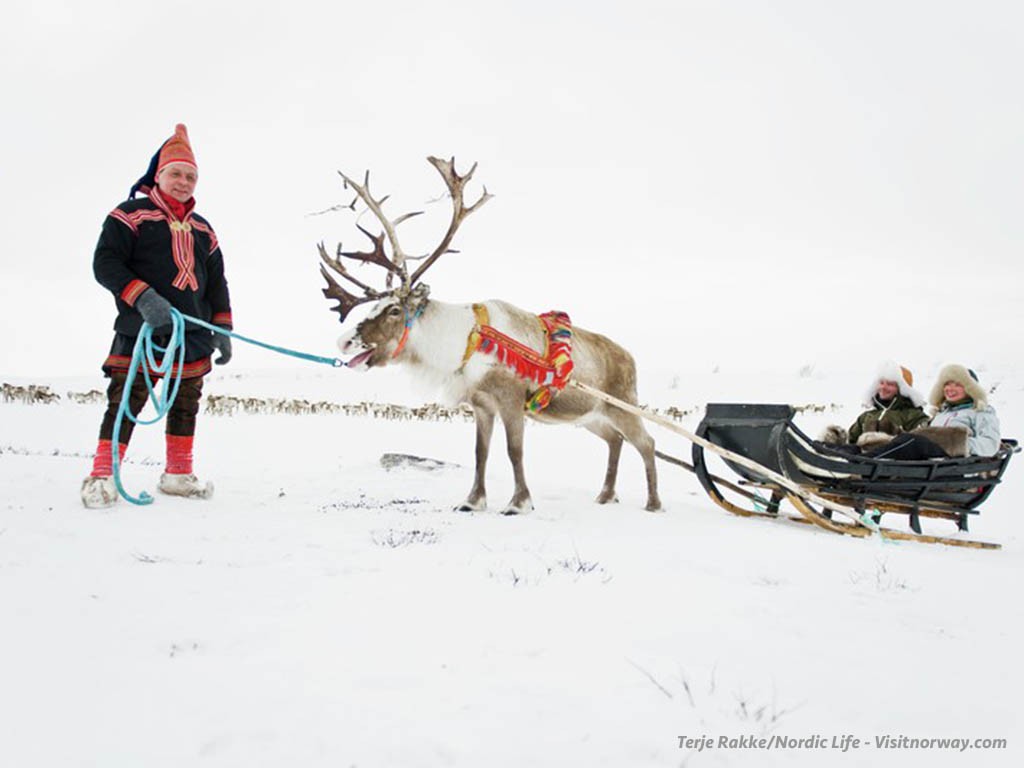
point(362, 357)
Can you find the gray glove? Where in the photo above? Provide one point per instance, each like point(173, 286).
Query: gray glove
point(222, 344)
point(155, 309)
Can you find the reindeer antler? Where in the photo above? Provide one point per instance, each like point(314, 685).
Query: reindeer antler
point(397, 262)
point(337, 266)
point(346, 301)
point(396, 265)
point(376, 256)
point(456, 185)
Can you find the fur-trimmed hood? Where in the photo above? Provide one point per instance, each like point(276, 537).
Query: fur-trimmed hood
point(892, 371)
point(962, 375)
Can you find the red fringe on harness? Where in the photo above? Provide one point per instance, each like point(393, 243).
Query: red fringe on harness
point(550, 370)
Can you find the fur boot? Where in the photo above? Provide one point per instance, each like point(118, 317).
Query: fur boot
point(99, 492)
point(953, 440)
point(188, 486)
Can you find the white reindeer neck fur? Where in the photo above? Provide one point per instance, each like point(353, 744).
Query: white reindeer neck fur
point(437, 342)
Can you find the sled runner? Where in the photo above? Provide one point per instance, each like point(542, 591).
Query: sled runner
point(951, 489)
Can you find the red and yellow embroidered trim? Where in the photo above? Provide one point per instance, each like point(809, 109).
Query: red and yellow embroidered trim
point(551, 370)
point(121, 363)
point(132, 291)
point(182, 239)
point(222, 318)
point(207, 230)
point(134, 219)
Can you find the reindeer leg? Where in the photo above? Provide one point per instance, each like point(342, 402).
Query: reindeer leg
point(633, 430)
point(512, 417)
point(614, 439)
point(477, 499)
point(645, 445)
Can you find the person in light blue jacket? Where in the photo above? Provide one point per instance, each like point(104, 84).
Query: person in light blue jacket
point(962, 402)
point(964, 420)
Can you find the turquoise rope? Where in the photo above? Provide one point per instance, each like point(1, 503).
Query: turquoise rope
point(868, 521)
point(760, 502)
point(332, 361)
point(174, 352)
point(144, 350)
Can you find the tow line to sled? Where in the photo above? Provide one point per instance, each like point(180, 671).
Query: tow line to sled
point(861, 525)
point(145, 350)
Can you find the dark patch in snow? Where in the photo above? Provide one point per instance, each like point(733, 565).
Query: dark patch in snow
point(395, 539)
point(403, 460)
point(365, 502)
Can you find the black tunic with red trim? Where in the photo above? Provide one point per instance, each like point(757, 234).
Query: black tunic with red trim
point(144, 244)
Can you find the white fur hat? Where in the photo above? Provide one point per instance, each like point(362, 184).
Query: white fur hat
point(892, 371)
point(962, 375)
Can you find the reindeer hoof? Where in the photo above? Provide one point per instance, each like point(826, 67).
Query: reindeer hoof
point(472, 506)
point(518, 509)
point(653, 506)
point(607, 497)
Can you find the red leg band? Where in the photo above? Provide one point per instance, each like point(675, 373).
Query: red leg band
point(103, 461)
point(179, 455)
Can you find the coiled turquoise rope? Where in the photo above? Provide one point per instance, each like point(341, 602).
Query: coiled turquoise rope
point(145, 350)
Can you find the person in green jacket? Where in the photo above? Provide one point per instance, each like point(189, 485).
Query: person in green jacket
point(894, 407)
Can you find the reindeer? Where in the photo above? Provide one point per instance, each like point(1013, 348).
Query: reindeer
point(430, 337)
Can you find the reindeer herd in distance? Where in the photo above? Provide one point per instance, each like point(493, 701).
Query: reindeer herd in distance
point(230, 405)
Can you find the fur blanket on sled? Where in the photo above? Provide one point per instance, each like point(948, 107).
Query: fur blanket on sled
point(952, 440)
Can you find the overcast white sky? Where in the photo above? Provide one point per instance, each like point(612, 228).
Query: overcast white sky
point(703, 181)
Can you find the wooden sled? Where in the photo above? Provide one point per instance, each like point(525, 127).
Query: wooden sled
point(777, 462)
point(951, 489)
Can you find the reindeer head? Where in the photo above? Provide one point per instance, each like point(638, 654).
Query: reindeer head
point(380, 336)
point(376, 340)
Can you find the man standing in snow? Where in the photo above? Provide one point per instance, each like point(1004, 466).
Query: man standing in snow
point(153, 254)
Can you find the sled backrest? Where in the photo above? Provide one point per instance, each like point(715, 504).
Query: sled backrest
point(751, 430)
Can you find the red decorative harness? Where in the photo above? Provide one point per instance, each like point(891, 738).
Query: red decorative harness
point(551, 370)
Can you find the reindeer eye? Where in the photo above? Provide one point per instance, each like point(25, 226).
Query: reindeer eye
point(395, 311)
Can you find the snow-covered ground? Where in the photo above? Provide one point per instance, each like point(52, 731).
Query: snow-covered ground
point(322, 610)
point(747, 194)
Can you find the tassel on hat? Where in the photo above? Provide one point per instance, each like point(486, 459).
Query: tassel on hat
point(177, 149)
